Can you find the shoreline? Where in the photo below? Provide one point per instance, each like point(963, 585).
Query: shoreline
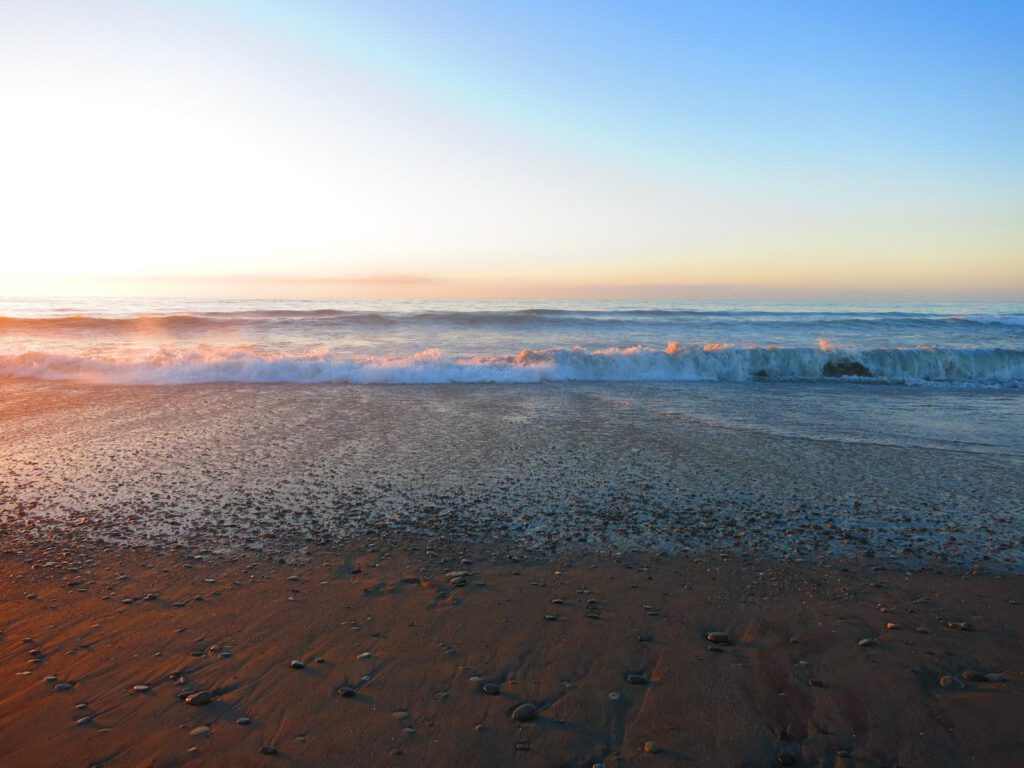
point(583, 467)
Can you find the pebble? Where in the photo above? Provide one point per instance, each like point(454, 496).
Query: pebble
point(490, 689)
point(866, 642)
point(140, 688)
point(199, 698)
point(948, 681)
point(202, 730)
point(636, 678)
point(63, 687)
point(243, 721)
point(524, 712)
point(720, 638)
point(346, 693)
point(267, 749)
point(365, 655)
point(786, 759)
point(651, 748)
point(296, 664)
point(84, 720)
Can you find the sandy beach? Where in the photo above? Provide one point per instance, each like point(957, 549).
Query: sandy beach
point(390, 651)
point(383, 576)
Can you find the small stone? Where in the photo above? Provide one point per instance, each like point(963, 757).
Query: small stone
point(346, 693)
point(199, 698)
point(140, 688)
point(296, 664)
point(84, 720)
point(243, 721)
point(974, 676)
point(816, 683)
point(948, 681)
point(651, 748)
point(267, 749)
point(963, 626)
point(867, 642)
point(63, 687)
point(785, 758)
point(637, 678)
point(524, 713)
point(719, 638)
point(202, 730)
point(365, 655)
point(491, 689)
point(550, 617)
point(614, 696)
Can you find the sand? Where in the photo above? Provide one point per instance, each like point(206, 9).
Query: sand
point(164, 541)
point(383, 618)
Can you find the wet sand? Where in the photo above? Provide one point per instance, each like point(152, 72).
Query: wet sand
point(836, 666)
point(539, 468)
point(570, 546)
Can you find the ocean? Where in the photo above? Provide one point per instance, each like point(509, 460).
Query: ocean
point(836, 427)
point(429, 342)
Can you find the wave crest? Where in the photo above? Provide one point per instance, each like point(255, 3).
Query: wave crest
point(964, 367)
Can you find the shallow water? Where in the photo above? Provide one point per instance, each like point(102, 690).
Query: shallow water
point(666, 467)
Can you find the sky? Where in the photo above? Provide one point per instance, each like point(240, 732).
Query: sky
point(578, 149)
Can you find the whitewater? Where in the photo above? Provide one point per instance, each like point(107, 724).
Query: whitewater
point(162, 342)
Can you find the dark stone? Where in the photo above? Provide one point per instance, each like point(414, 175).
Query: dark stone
point(524, 713)
point(844, 367)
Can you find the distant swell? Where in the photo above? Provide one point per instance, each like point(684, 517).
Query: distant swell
point(328, 320)
point(970, 367)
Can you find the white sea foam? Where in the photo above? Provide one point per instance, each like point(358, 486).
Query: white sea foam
point(171, 365)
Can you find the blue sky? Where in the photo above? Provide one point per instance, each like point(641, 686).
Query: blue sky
point(757, 148)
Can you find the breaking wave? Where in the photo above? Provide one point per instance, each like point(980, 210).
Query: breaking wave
point(958, 367)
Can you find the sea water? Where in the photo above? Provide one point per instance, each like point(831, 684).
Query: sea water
point(133, 341)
